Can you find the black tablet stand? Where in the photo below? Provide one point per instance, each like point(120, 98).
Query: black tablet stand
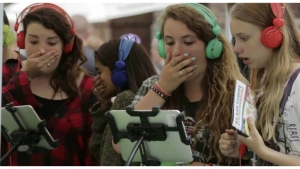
point(146, 131)
point(26, 137)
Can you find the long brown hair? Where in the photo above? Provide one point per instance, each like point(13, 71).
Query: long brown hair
point(215, 110)
point(279, 66)
point(68, 70)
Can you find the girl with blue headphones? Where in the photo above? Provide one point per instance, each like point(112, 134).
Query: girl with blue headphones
point(122, 66)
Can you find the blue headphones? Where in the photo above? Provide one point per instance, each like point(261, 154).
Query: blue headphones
point(119, 75)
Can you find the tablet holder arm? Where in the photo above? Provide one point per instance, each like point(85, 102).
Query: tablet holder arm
point(146, 131)
point(24, 137)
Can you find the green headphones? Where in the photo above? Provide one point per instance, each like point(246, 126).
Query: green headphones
point(214, 47)
point(8, 36)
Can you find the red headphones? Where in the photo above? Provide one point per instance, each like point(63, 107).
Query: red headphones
point(19, 28)
point(272, 36)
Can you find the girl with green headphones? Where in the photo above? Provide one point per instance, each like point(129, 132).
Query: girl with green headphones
point(198, 77)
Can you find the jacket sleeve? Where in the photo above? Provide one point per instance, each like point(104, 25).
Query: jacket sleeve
point(108, 156)
point(98, 125)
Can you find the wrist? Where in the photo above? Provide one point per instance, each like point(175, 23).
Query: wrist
point(105, 104)
point(163, 87)
point(261, 151)
point(23, 65)
point(29, 77)
point(162, 90)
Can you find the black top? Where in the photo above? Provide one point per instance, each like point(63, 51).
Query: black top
point(49, 108)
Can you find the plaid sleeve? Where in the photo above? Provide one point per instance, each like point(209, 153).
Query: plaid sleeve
point(9, 68)
point(87, 92)
point(18, 91)
point(143, 90)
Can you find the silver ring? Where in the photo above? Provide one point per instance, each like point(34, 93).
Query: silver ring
point(48, 65)
point(96, 91)
point(180, 73)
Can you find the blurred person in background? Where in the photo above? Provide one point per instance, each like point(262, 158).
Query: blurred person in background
point(157, 61)
point(94, 42)
point(83, 32)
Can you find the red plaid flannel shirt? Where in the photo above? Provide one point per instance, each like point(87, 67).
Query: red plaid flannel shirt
point(72, 126)
point(8, 70)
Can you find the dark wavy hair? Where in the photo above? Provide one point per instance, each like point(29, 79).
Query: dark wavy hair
point(68, 65)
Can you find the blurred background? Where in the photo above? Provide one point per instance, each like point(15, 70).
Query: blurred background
point(110, 21)
point(107, 21)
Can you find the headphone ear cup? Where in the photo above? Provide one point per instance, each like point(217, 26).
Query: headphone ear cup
point(68, 47)
point(21, 40)
point(214, 49)
point(271, 37)
point(119, 75)
point(119, 78)
point(161, 49)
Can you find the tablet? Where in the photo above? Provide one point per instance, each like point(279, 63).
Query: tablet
point(175, 148)
point(30, 121)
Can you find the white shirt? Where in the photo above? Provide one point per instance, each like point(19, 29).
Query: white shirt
point(289, 138)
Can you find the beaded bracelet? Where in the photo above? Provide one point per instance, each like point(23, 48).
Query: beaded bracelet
point(158, 92)
point(158, 87)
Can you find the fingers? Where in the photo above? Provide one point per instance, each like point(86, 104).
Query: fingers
point(35, 55)
point(48, 58)
point(175, 60)
point(227, 143)
point(99, 85)
point(168, 59)
point(251, 124)
point(97, 80)
point(187, 70)
point(230, 132)
point(226, 152)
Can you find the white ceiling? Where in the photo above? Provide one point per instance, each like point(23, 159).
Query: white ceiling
point(95, 12)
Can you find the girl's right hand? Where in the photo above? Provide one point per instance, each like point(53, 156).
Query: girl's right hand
point(229, 144)
point(39, 63)
point(176, 71)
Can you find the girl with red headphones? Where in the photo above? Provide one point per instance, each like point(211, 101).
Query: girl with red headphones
point(52, 82)
point(267, 38)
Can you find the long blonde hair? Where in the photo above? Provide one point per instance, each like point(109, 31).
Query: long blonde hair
point(270, 82)
point(218, 83)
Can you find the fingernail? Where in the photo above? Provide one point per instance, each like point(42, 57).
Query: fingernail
point(195, 66)
point(193, 58)
point(185, 54)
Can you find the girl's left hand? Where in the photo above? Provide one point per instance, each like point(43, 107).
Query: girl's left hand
point(254, 142)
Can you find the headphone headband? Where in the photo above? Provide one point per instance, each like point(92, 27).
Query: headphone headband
point(37, 6)
point(209, 17)
point(19, 27)
point(124, 49)
point(206, 12)
point(278, 9)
